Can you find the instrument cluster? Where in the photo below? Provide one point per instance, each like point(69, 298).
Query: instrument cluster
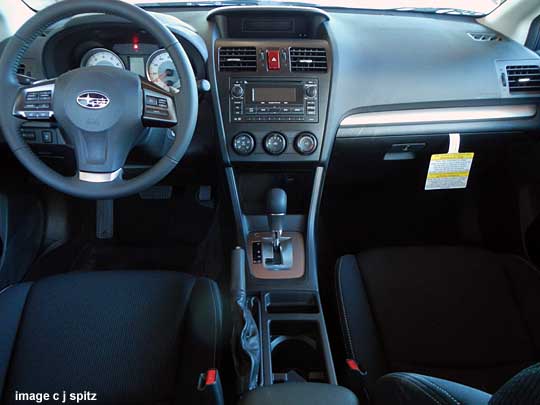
point(156, 66)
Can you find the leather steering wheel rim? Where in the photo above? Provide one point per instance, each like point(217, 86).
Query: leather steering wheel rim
point(185, 101)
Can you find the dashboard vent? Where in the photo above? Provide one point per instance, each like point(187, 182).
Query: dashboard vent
point(238, 59)
point(308, 60)
point(21, 70)
point(523, 78)
point(485, 36)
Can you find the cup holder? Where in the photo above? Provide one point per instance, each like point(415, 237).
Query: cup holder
point(296, 352)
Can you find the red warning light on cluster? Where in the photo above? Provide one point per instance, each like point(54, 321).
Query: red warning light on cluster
point(135, 43)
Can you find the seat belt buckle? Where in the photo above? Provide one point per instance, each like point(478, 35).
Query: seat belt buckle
point(209, 385)
point(355, 378)
point(355, 371)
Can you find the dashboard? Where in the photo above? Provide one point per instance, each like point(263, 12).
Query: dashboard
point(287, 83)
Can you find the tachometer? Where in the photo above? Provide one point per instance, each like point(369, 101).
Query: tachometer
point(102, 57)
point(160, 70)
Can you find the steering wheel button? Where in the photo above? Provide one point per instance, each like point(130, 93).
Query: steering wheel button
point(156, 111)
point(47, 136)
point(151, 100)
point(29, 136)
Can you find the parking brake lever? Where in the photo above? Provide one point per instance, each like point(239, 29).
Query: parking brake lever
point(246, 343)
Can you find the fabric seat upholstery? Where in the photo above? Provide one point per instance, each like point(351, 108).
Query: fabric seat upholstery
point(457, 313)
point(130, 337)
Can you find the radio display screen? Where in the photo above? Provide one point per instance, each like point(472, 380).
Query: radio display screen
point(274, 94)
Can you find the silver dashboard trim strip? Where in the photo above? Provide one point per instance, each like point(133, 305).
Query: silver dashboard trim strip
point(435, 115)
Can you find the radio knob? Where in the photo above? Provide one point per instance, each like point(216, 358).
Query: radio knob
point(237, 91)
point(275, 143)
point(243, 143)
point(311, 91)
point(305, 143)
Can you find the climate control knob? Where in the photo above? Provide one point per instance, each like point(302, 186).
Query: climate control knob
point(305, 143)
point(243, 143)
point(275, 143)
point(237, 91)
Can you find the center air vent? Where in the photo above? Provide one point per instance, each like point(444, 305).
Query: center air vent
point(485, 36)
point(523, 78)
point(239, 59)
point(308, 60)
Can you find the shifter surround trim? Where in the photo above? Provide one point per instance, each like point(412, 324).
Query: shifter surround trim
point(258, 270)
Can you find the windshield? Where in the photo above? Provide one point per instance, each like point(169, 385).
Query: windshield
point(457, 7)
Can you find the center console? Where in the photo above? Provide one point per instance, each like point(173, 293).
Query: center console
point(271, 70)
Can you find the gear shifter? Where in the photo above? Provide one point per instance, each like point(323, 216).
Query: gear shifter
point(276, 206)
point(281, 249)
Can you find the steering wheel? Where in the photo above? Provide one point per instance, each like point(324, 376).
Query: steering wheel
point(102, 111)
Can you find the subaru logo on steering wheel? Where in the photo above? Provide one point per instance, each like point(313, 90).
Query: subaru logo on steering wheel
point(93, 100)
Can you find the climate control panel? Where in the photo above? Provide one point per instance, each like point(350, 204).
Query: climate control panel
point(274, 144)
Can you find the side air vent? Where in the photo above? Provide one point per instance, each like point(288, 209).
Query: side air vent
point(21, 70)
point(238, 59)
point(485, 36)
point(308, 60)
point(523, 78)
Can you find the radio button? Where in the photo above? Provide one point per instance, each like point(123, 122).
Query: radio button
point(311, 91)
point(237, 108)
point(275, 143)
point(237, 91)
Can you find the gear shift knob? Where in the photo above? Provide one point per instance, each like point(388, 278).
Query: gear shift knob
point(276, 208)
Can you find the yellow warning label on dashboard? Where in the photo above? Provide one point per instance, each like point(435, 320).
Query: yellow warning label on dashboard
point(450, 156)
point(449, 171)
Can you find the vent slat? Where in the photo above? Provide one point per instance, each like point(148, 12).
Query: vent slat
point(484, 36)
point(240, 59)
point(308, 60)
point(523, 78)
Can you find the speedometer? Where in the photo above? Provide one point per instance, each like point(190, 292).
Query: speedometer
point(102, 57)
point(160, 70)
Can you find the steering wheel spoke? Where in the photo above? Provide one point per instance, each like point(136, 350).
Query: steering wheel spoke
point(159, 106)
point(35, 102)
point(92, 177)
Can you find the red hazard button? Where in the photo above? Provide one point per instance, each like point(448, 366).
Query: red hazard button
point(272, 58)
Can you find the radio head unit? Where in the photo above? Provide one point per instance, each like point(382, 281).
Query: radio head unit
point(266, 100)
